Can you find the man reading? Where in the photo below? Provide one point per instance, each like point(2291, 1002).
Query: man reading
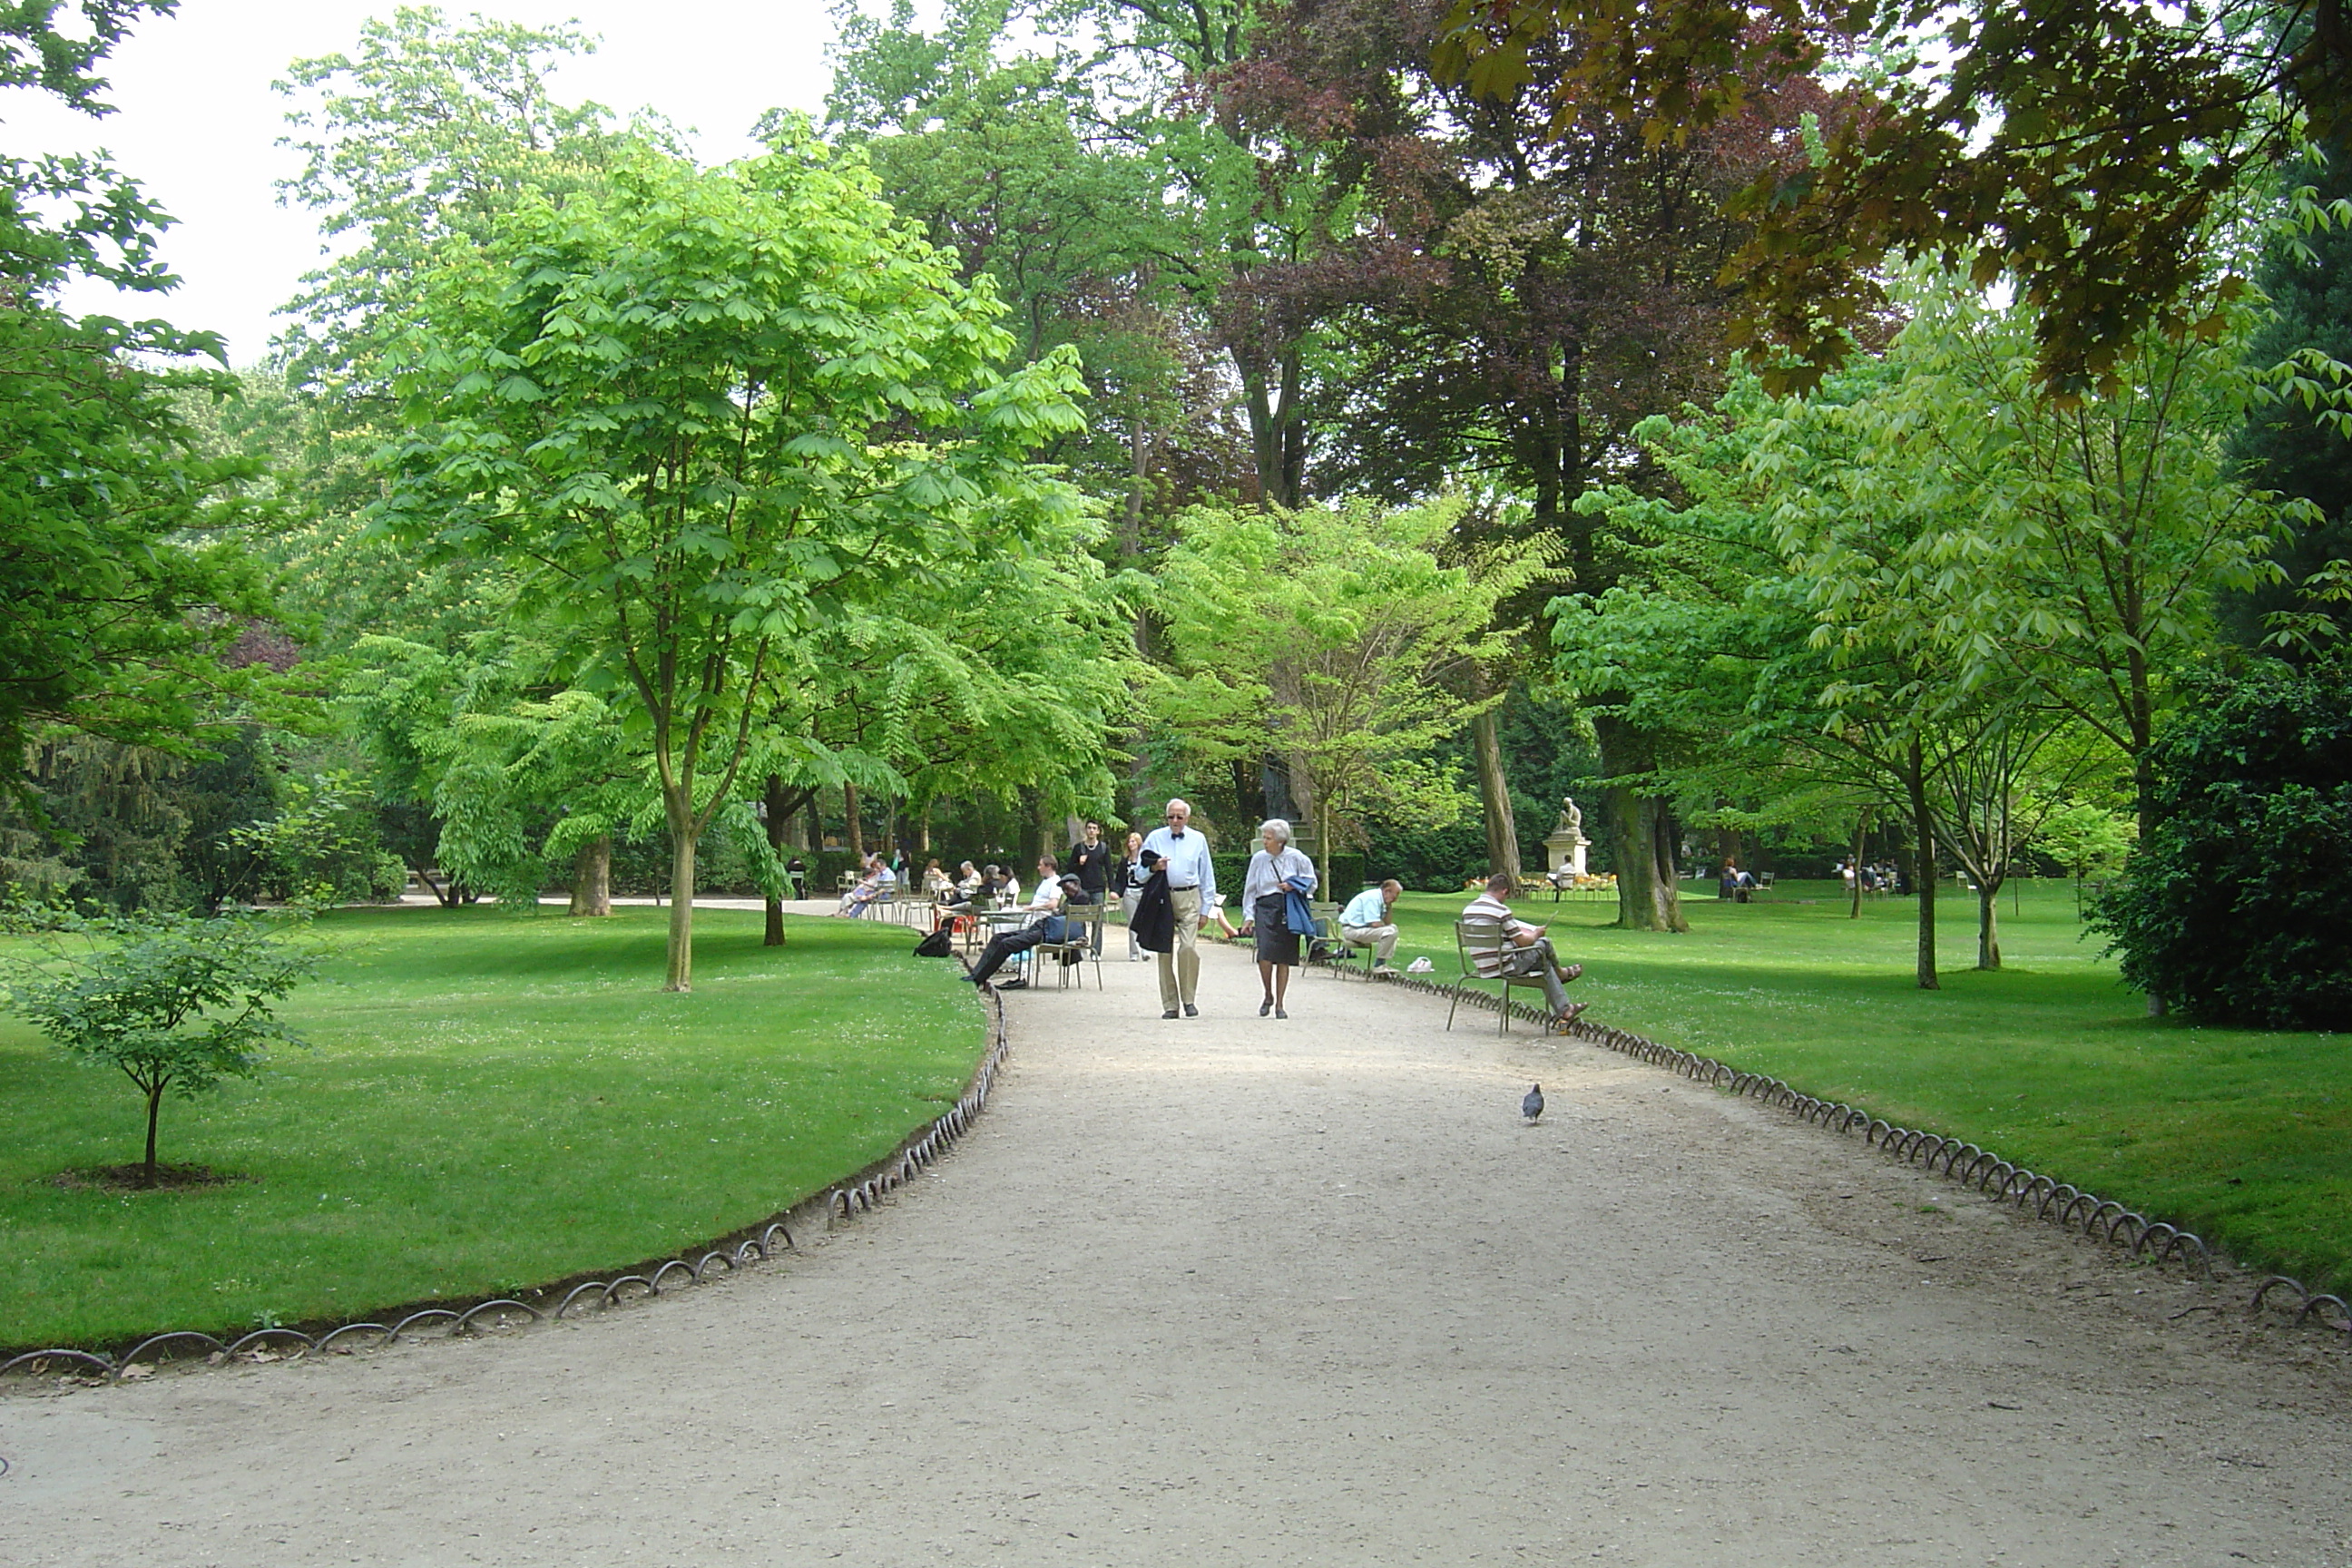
point(1520, 948)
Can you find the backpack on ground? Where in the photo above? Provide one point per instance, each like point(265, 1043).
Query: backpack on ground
point(938, 944)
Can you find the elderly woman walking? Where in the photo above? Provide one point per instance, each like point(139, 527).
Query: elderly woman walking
point(1278, 876)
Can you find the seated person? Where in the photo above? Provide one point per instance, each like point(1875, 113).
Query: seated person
point(1524, 950)
point(936, 882)
point(1365, 922)
point(860, 897)
point(1045, 923)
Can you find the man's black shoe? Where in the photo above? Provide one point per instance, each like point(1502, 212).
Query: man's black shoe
point(1015, 983)
point(1169, 1013)
point(1191, 1011)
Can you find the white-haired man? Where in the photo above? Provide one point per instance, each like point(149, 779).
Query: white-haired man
point(1366, 923)
point(1191, 887)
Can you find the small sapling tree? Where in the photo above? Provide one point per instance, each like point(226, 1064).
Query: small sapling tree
point(172, 1002)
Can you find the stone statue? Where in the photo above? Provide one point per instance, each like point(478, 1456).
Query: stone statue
point(1566, 843)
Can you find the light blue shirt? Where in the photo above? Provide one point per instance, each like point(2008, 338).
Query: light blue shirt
point(1369, 908)
point(1188, 861)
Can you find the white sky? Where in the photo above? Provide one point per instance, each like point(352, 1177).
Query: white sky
point(196, 123)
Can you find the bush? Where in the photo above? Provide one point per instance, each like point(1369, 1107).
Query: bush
point(1430, 859)
point(2238, 905)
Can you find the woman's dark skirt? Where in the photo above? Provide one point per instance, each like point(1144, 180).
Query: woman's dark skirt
point(1277, 943)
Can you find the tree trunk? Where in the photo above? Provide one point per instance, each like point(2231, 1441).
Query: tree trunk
point(592, 876)
point(1923, 866)
point(154, 1110)
point(778, 819)
point(857, 840)
point(1988, 924)
point(681, 895)
point(1640, 839)
point(1495, 795)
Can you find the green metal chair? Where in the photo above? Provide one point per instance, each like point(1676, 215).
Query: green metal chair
point(1474, 939)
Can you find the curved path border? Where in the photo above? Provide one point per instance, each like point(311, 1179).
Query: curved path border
point(2003, 1181)
point(690, 1266)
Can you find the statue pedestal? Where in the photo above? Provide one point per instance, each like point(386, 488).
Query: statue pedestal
point(1563, 852)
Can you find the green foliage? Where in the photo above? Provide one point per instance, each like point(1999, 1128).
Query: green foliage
point(2233, 908)
point(2295, 446)
point(2082, 149)
point(173, 1003)
point(703, 417)
point(1338, 641)
point(322, 846)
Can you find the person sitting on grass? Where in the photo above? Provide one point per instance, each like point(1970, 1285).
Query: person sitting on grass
point(1045, 923)
point(1367, 922)
point(1524, 949)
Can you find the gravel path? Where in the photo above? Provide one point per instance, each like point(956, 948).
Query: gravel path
point(1239, 1292)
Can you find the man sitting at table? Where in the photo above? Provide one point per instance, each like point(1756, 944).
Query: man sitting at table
point(1045, 923)
point(1524, 949)
point(1365, 922)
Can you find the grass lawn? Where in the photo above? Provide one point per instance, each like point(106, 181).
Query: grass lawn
point(493, 1101)
point(2242, 1136)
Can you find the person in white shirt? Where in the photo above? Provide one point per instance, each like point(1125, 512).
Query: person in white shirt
point(1365, 922)
point(1191, 887)
point(1277, 871)
point(1522, 950)
point(1132, 875)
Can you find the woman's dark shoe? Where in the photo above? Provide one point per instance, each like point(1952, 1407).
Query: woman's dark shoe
point(1280, 1014)
point(1265, 1006)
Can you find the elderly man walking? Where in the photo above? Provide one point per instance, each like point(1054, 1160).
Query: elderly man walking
point(1191, 887)
point(1365, 922)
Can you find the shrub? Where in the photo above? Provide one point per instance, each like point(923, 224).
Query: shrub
point(2238, 905)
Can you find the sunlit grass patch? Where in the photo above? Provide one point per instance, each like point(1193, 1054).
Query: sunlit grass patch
point(492, 1100)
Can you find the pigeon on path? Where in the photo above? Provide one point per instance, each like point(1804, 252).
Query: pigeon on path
point(1532, 1106)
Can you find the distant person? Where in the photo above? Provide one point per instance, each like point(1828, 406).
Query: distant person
point(1523, 950)
point(1273, 894)
point(797, 872)
point(1369, 922)
point(936, 883)
point(859, 900)
point(1092, 862)
point(1191, 887)
point(1132, 874)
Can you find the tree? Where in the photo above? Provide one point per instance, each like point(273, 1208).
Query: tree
point(2083, 148)
point(2231, 908)
point(173, 1003)
point(2072, 549)
point(121, 596)
point(1334, 640)
point(2296, 448)
point(704, 414)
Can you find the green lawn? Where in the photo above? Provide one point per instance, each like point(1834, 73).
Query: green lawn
point(493, 1101)
point(2242, 1136)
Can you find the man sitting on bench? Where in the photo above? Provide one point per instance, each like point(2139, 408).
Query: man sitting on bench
point(1045, 923)
point(1527, 950)
point(1365, 922)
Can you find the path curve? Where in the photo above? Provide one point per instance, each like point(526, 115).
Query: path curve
point(1240, 1291)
